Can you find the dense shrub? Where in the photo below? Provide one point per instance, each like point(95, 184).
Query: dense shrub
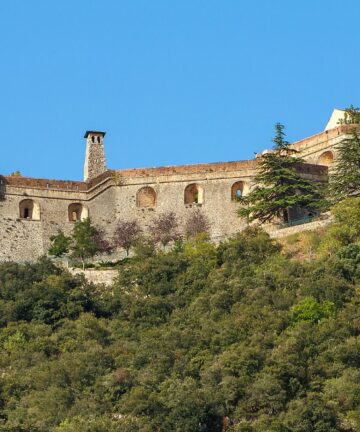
point(239, 337)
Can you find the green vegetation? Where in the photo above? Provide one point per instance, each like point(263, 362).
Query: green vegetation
point(84, 242)
point(60, 244)
point(280, 188)
point(16, 173)
point(351, 115)
point(249, 336)
point(344, 180)
point(84, 245)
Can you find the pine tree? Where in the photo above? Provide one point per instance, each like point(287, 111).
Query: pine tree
point(279, 185)
point(345, 176)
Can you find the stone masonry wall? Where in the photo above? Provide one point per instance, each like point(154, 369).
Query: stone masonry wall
point(95, 164)
point(111, 197)
point(313, 147)
point(104, 276)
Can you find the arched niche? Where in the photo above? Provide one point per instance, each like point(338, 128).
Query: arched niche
point(193, 194)
point(77, 212)
point(237, 190)
point(326, 158)
point(146, 197)
point(29, 209)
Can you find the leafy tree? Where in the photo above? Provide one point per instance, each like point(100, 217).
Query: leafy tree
point(103, 423)
point(126, 234)
point(346, 228)
point(15, 341)
point(309, 309)
point(253, 245)
point(235, 337)
point(84, 244)
point(16, 173)
point(351, 116)
point(344, 179)
point(312, 414)
point(199, 248)
point(59, 244)
point(164, 229)
point(101, 242)
point(280, 187)
point(265, 395)
point(190, 409)
point(144, 247)
point(197, 223)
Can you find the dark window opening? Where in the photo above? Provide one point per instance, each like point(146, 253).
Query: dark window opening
point(237, 191)
point(74, 212)
point(194, 194)
point(28, 210)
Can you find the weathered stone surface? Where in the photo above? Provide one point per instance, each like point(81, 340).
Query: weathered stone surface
point(111, 196)
point(95, 157)
point(104, 276)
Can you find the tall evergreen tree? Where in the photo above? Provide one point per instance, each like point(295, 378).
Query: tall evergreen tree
point(280, 187)
point(344, 178)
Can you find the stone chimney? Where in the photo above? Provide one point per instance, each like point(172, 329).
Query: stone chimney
point(95, 157)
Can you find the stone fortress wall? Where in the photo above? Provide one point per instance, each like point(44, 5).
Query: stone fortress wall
point(31, 210)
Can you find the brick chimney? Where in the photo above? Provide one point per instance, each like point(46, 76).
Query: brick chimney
point(95, 157)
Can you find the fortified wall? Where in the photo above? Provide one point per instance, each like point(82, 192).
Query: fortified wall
point(32, 210)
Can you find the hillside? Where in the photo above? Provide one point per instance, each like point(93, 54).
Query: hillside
point(249, 336)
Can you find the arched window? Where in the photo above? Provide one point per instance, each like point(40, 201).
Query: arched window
point(29, 209)
point(77, 212)
point(146, 197)
point(326, 158)
point(237, 191)
point(194, 194)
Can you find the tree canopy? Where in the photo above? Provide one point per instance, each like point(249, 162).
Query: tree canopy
point(279, 187)
point(126, 234)
point(351, 115)
point(250, 335)
point(84, 241)
point(344, 179)
point(60, 244)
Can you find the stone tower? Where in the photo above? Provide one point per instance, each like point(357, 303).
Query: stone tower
point(95, 157)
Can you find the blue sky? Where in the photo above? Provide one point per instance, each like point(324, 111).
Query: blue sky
point(171, 82)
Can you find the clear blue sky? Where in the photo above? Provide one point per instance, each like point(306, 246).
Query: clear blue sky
point(171, 82)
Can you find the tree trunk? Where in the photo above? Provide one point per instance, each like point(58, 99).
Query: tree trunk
point(286, 216)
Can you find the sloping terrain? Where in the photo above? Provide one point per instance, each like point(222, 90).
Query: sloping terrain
point(251, 335)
